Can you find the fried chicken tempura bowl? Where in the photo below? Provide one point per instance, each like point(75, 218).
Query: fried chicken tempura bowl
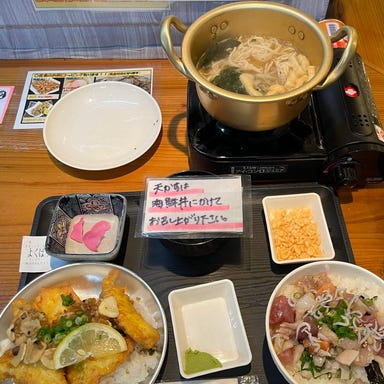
point(102, 293)
point(325, 324)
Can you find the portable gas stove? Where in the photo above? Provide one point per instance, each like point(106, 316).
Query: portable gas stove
point(337, 140)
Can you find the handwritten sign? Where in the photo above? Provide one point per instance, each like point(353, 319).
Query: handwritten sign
point(193, 205)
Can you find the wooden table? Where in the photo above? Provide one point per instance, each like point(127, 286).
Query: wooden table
point(28, 174)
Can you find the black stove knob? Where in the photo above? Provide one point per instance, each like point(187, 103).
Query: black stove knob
point(344, 175)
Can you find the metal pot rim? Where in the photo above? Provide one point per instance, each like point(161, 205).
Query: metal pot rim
point(255, 5)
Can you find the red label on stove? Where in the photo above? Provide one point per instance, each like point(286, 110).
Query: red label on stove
point(331, 26)
point(351, 90)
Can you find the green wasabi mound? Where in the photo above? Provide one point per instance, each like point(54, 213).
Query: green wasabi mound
point(197, 361)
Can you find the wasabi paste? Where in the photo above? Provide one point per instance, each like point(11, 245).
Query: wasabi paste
point(197, 361)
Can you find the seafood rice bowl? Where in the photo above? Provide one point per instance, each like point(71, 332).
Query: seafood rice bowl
point(88, 323)
point(325, 324)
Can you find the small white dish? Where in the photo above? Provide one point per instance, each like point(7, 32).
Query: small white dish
point(207, 318)
point(298, 201)
point(102, 125)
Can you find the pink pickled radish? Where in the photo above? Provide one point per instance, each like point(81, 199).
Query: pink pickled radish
point(77, 231)
point(93, 237)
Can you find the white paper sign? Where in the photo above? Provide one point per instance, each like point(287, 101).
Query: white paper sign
point(33, 257)
point(190, 204)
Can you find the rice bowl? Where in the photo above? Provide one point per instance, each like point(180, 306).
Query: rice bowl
point(349, 279)
point(142, 365)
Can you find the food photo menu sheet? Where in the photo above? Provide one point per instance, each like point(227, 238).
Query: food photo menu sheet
point(42, 89)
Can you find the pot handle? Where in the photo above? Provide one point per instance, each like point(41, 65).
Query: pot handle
point(167, 43)
point(346, 57)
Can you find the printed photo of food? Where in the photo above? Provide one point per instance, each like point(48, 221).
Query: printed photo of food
point(141, 81)
point(72, 83)
point(39, 108)
point(44, 86)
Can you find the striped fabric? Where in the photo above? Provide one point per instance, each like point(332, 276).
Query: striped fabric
point(26, 32)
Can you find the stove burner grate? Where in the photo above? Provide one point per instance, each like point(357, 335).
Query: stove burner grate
point(220, 140)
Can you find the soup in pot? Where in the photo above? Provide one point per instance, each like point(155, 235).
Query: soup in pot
point(255, 65)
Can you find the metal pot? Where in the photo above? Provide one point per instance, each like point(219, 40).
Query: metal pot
point(259, 113)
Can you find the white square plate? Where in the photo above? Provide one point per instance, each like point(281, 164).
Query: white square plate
point(300, 200)
point(207, 318)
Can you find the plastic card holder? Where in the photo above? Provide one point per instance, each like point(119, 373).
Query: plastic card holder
point(196, 206)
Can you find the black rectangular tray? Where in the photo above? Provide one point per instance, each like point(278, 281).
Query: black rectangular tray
point(245, 261)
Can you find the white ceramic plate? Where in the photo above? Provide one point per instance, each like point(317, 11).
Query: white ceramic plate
point(207, 318)
point(86, 279)
point(102, 126)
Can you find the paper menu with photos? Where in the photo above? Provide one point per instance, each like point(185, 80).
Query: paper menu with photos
point(42, 89)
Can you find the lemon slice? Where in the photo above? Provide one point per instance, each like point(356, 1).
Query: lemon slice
point(91, 339)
